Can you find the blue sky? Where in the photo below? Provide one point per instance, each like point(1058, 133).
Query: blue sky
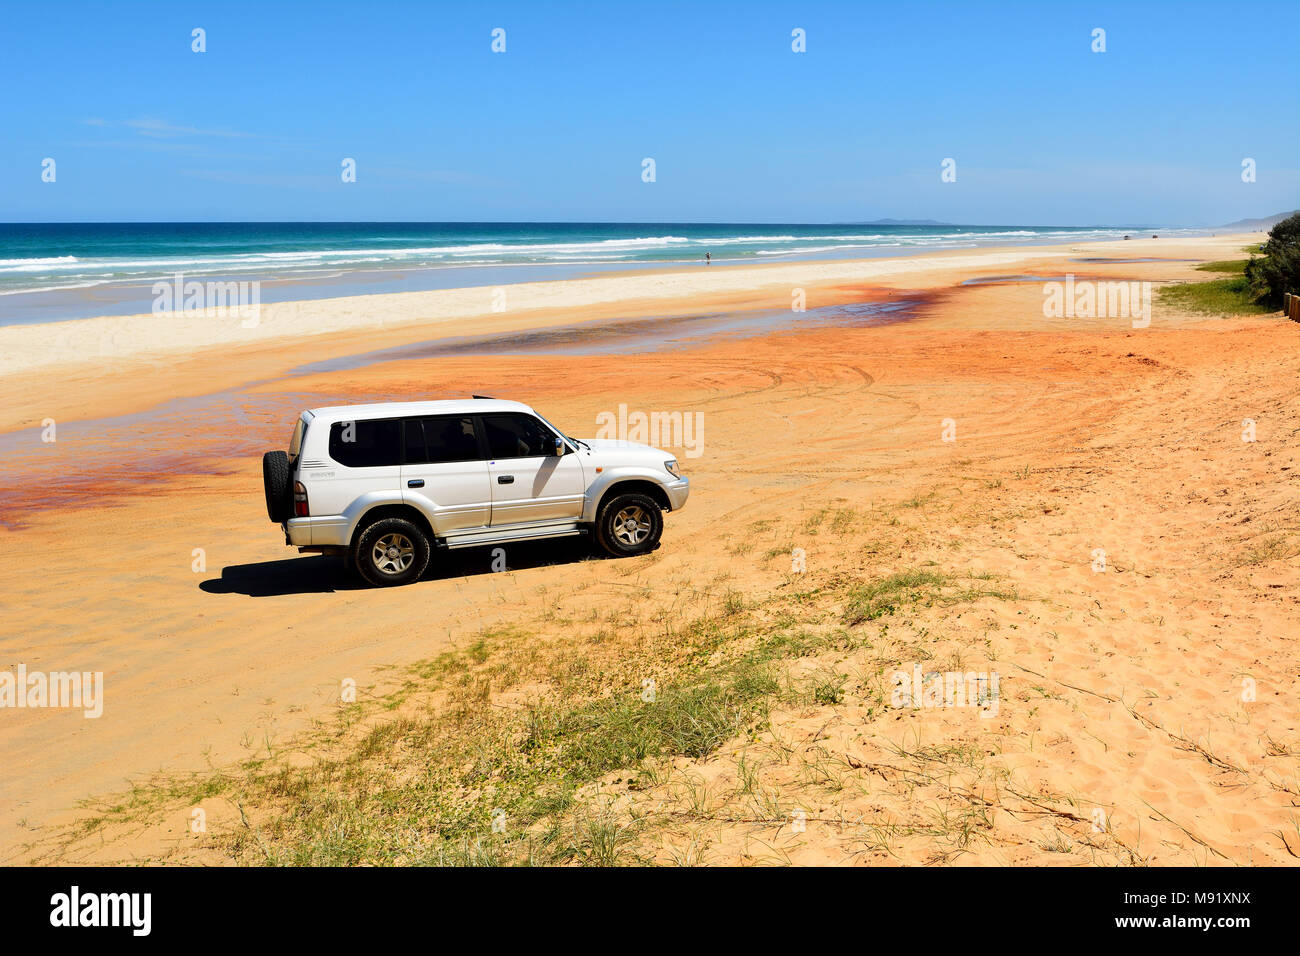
point(1043, 130)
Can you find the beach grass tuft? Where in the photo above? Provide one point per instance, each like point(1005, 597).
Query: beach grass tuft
point(1216, 297)
point(1234, 266)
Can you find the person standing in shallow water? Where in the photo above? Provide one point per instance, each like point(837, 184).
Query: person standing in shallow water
point(706, 259)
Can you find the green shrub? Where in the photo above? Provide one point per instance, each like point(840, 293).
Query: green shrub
point(1279, 269)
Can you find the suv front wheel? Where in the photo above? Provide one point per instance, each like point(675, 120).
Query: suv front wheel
point(629, 524)
point(390, 552)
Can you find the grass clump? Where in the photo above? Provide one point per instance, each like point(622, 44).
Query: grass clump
point(880, 598)
point(621, 733)
point(1231, 296)
point(1234, 266)
point(485, 792)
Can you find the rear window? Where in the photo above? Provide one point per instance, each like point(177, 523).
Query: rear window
point(366, 444)
point(295, 443)
point(441, 439)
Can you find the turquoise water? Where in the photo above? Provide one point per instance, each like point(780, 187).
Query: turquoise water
point(53, 270)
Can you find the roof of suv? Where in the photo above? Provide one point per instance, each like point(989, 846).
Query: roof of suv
point(460, 406)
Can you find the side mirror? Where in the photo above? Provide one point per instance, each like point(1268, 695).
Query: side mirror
point(561, 449)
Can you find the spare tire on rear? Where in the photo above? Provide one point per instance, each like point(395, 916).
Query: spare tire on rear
point(275, 482)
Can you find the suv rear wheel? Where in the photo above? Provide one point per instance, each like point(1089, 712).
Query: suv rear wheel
point(629, 524)
point(391, 551)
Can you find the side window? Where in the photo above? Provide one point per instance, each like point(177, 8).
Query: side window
point(518, 436)
point(450, 438)
point(413, 430)
point(366, 444)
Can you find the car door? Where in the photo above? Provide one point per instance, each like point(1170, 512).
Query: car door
point(530, 482)
point(445, 475)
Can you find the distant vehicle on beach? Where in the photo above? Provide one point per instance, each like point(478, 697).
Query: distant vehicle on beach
point(385, 485)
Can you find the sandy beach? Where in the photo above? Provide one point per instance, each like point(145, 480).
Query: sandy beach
point(1157, 692)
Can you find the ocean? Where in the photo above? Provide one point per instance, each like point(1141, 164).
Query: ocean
point(51, 271)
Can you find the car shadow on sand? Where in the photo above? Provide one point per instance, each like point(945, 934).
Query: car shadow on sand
point(318, 574)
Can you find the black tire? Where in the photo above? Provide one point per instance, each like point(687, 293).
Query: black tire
point(391, 569)
point(617, 537)
point(275, 483)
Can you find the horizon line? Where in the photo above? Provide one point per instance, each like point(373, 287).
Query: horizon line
point(887, 221)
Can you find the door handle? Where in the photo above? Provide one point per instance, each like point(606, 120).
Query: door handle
point(415, 483)
point(505, 479)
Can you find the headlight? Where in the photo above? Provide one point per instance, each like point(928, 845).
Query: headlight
point(671, 468)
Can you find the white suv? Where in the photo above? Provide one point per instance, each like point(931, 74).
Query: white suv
point(383, 485)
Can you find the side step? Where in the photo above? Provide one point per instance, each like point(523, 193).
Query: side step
point(475, 539)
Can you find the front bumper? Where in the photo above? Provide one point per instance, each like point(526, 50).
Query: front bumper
point(677, 493)
point(318, 531)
